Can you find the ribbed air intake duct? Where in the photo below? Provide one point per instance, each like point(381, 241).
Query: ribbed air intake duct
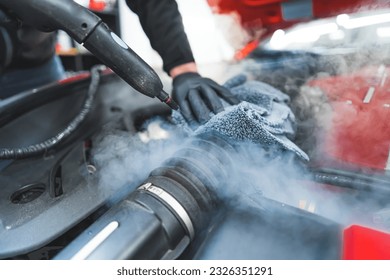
point(171, 208)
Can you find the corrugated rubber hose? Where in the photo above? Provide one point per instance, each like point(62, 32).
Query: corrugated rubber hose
point(42, 148)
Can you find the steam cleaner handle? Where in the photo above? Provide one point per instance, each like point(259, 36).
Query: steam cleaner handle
point(114, 53)
point(87, 28)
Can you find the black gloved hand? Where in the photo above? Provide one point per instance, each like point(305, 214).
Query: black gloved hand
point(198, 96)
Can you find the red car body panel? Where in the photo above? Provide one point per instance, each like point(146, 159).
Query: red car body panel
point(359, 133)
point(262, 17)
point(268, 14)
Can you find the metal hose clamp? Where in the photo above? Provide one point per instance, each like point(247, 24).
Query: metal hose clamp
point(173, 204)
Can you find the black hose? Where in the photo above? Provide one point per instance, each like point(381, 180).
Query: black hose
point(42, 148)
point(358, 182)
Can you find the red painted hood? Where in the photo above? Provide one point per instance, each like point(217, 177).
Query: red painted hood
point(271, 15)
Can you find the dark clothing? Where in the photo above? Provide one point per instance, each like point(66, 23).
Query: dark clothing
point(22, 46)
point(34, 48)
point(160, 20)
point(163, 25)
point(18, 80)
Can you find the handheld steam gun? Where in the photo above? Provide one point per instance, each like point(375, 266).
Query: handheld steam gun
point(89, 30)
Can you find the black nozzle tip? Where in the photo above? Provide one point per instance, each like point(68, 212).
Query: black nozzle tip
point(172, 104)
point(164, 97)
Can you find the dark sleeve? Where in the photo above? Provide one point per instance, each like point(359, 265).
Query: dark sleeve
point(162, 23)
point(27, 47)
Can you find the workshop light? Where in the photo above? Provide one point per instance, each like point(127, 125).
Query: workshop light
point(311, 34)
point(352, 23)
point(337, 35)
point(342, 19)
point(383, 32)
point(277, 39)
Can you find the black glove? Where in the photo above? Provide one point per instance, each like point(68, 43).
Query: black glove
point(198, 96)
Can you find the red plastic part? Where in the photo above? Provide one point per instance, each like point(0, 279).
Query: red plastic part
point(81, 76)
point(362, 243)
point(245, 51)
point(97, 5)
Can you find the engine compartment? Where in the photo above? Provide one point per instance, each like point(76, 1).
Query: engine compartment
point(274, 208)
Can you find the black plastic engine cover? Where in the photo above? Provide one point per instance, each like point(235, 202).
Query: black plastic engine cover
point(42, 198)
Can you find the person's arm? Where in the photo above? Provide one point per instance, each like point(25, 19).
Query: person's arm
point(162, 23)
point(183, 68)
point(197, 96)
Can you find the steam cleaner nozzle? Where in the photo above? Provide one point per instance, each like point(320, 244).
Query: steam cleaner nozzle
point(164, 97)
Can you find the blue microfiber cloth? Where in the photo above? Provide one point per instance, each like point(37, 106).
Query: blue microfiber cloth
point(262, 117)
